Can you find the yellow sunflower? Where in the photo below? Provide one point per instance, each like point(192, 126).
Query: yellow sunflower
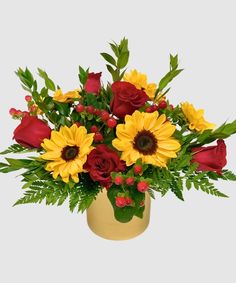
point(67, 97)
point(147, 136)
point(196, 118)
point(67, 151)
point(140, 81)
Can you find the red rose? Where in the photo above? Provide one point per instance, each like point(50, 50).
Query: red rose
point(126, 99)
point(93, 83)
point(211, 158)
point(101, 162)
point(31, 132)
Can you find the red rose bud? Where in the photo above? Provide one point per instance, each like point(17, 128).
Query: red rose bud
point(142, 186)
point(138, 169)
point(120, 201)
point(94, 129)
point(210, 158)
point(126, 99)
point(105, 115)
point(171, 107)
point(162, 104)
point(128, 201)
point(118, 180)
point(12, 111)
point(28, 98)
point(101, 161)
point(79, 108)
point(93, 83)
point(31, 132)
point(98, 137)
point(111, 123)
point(129, 181)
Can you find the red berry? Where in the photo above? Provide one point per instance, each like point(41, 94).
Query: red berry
point(98, 137)
point(142, 186)
point(97, 112)
point(78, 124)
point(12, 111)
point(80, 108)
point(118, 180)
point(105, 115)
point(90, 109)
point(138, 169)
point(94, 129)
point(111, 122)
point(128, 200)
point(171, 107)
point(120, 201)
point(162, 104)
point(149, 109)
point(154, 107)
point(28, 98)
point(129, 181)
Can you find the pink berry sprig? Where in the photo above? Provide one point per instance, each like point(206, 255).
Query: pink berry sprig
point(18, 114)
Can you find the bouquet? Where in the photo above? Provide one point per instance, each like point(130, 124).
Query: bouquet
point(124, 136)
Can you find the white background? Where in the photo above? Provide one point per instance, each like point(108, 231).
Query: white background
point(191, 241)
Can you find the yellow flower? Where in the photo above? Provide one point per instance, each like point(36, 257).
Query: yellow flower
point(147, 136)
point(196, 118)
point(140, 81)
point(67, 97)
point(67, 151)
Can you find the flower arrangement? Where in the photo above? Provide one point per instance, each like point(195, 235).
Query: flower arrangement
point(124, 136)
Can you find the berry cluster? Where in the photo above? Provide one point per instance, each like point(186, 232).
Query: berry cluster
point(140, 184)
point(32, 109)
point(109, 121)
point(161, 106)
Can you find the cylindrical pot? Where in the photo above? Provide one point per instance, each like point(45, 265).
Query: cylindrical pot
point(101, 220)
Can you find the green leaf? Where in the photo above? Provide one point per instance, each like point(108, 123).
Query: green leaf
point(223, 132)
point(188, 184)
point(63, 108)
point(17, 148)
point(115, 48)
point(48, 82)
point(168, 78)
point(123, 46)
point(91, 99)
point(111, 70)
point(83, 75)
point(174, 62)
point(123, 60)
point(26, 78)
point(109, 58)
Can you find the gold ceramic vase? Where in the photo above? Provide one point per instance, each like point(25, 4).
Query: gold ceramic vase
point(101, 220)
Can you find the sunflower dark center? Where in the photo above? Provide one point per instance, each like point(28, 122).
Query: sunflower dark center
point(145, 143)
point(69, 152)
